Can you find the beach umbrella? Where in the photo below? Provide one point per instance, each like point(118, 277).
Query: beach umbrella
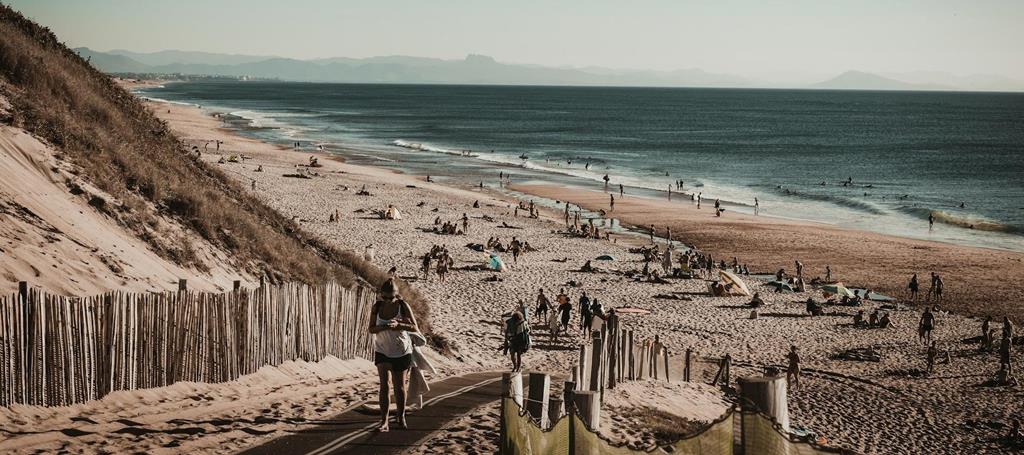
point(733, 283)
point(836, 289)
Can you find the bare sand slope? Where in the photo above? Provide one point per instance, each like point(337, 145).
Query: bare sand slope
point(63, 242)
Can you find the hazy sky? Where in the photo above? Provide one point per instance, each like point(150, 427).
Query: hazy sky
point(758, 38)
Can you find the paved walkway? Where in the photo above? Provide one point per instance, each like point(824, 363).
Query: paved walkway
point(352, 432)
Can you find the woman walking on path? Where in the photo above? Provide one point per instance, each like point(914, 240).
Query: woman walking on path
point(391, 320)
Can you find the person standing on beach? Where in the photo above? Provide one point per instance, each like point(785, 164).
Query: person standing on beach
point(931, 221)
point(932, 353)
point(699, 194)
point(670, 192)
point(926, 326)
point(931, 288)
point(828, 274)
point(793, 370)
point(567, 213)
point(564, 311)
point(799, 269)
point(986, 340)
point(652, 233)
point(938, 288)
point(517, 338)
point(757, 207)
point(620, 190)
point(611, 203)
point(1007, 328)
point(668, 234)
point(914, 287)
point(465, 224)
point(1004, 354)
point(391, 320)
point(584, 305)
point(543, 305)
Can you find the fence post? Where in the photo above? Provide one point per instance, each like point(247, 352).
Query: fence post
point(27, 354)
point(632, 359)
point(537, 402)
point(686, 368)
point(595, 362)
point(613, 351)
point(588, 407)
point(506, 384)
point(236, 285)
point(569, 393)
point(664, 352)
point(768, 395)
point(182, 285)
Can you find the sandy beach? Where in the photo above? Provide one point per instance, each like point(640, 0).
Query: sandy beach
point(884, 406)
point(872, 407)
point(978, 281)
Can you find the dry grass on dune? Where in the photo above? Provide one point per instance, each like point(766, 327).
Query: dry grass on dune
point(117, 145)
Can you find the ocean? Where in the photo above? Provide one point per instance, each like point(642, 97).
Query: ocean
point(878, 161)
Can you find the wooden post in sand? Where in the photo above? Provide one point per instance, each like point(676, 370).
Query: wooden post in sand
point(640, 365)
point(664, 352)
point(537, 403)
point(686, 367)
point(515, 388)
point(236, 285)
point(768, 395)
point(622, 355)
point(182, 285)
point(555, 410)
point(588, 408)
point(581, 379)
point(632, 370)
point(613, 351)
point(595, 363)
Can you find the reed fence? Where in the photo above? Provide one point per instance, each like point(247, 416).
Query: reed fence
point(57, 350)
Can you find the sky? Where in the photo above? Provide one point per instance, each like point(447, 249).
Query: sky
point(753, 38)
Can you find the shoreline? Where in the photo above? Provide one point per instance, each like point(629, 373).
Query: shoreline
point(767, 243)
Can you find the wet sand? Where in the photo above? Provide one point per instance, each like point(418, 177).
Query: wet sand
point(978, 281)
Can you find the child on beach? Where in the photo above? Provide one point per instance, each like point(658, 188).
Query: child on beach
point(793, 370)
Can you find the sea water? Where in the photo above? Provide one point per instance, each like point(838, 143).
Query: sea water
point(880, 161)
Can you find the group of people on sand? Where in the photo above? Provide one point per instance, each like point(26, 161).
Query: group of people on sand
point(531, 208)
point(440, 256)
point(451, 227)
point(934, 290)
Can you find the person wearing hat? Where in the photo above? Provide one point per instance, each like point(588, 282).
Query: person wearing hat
point(391, 320)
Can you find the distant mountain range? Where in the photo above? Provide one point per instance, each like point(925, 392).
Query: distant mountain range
point(480, 69)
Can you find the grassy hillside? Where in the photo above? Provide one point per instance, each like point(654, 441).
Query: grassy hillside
point(115, 143)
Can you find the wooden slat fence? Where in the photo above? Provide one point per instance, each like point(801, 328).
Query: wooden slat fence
point(57, 350)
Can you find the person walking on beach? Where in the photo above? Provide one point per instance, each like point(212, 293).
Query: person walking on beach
point(517, 338)
point(931, 288)
point(391, 320)
point(543, 305)
point(914, 287)
point(564, 311)
point(1004, 354)
point(926, 326)
point(584, 305)
point(932, 353)
point(620, 190)
point(793, 370)
point(757, 207)
point(931, 221)
point(698, 199)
